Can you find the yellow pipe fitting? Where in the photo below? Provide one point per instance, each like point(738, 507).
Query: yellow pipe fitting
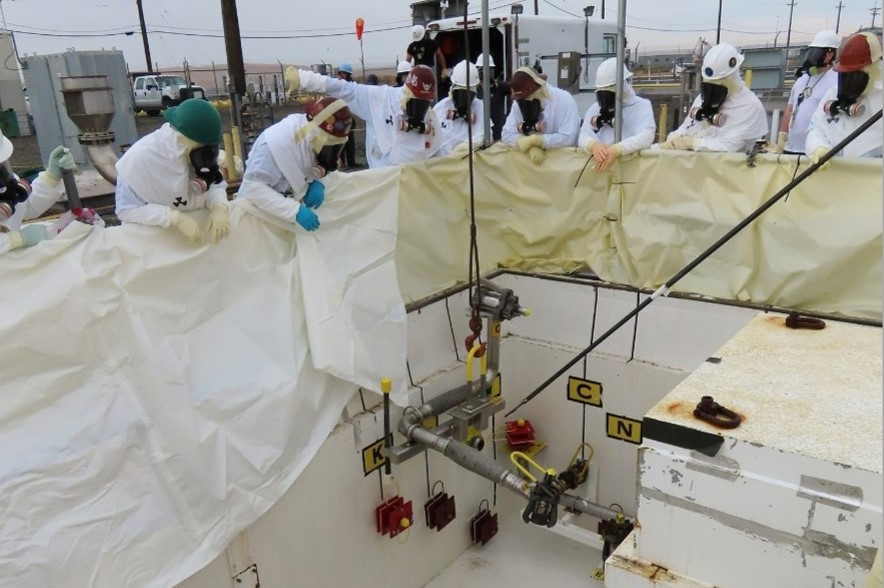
point(386, 385)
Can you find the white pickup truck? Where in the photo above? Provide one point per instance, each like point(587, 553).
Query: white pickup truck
point(156, 92)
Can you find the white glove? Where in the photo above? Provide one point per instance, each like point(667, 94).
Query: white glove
point(780, 144)
point(537, 154)
point(679, 142)
point(186, 226)
point(817, 154)
point(525, 143)
point(219, 221)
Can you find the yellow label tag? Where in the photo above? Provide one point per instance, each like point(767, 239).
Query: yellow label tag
point(431, 422)
point(373, 457)
point(585, 391)
point(599, 574)
point(495, 329)
point(624, 429)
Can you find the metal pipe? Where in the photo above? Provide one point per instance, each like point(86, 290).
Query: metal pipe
point(486, 75)
point(435, 406)
point(105, 161)
point(621, 58)
point(70, 188)
point(471, 459)
point(587, 507)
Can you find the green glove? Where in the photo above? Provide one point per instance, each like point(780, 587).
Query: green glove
point(60, 160)
point(27, 236)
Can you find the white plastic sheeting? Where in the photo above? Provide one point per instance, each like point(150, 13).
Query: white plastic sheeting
point(647, 218)
point(158, 398)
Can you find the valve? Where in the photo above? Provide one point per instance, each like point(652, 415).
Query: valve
point(543, 501)
point(578, 469)
point(614, 531)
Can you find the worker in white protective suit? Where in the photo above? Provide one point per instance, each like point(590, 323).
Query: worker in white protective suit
point(21, 201)
point(289, 159)
point(403, 68)
point(545, 117)
point(857, 97)
point(807, 93)
point(461, 110)
point(400, 124)
point(597, 132)
point(173, 171)
point(726, 116)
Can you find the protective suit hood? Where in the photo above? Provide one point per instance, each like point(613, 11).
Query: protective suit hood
point(157, 165)
point(292, 157)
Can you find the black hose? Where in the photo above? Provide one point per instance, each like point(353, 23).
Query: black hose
point(664, 289)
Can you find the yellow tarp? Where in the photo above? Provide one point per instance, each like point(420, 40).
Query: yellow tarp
point(652, 214)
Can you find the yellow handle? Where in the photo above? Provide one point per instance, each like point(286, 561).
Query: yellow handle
point(483, 364)
point(515, 456)
point(386, 385)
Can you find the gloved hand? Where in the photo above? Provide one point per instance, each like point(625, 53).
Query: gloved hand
point(780, 145)
point(461, 150)
point(307, 219)
point(27, 236)
point(818, 154)
point(60, 160)
point(537, 154)
point(315, 194)
point(304, 79)
point(218, 226)
point(186, 226)
point(525, 143)
point(611, 154)
point(445, 73)
point(679, 142)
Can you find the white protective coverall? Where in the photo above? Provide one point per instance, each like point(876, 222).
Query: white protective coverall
point(745, 123)
point(559, 116)
point(638, 125)
point(817, 86)
point(454, 132)
point(279, 169)
point(154, 178)
point(827, 130)
point(45, 192)
point(381, 107)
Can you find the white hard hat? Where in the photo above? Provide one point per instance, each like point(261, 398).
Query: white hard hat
point(459, 75)
point(403, 67)
point(480, 61)
point(417, 32)
point(6, 148)
point(826, 39)
point(606, 75)
point(721, 61)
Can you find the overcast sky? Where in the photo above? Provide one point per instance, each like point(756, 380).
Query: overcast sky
point(307, 31)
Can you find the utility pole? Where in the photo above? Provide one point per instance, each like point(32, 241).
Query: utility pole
point(838, 22)
point(791, 6)
point(718, 30)
point(144, 37)
point(874, 10)
point(536, 10)
point(233, 46)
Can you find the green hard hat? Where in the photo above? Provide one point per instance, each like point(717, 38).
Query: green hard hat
point(197, 120)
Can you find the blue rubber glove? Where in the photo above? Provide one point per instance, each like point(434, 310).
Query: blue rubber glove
point(307, 219)
point(60, 160)
point(315, 194)
point(27, 236)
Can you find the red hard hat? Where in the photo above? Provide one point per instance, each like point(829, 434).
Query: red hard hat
point(859, 51)
point(422, 82)
point(338, 124)
point(525, 82)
